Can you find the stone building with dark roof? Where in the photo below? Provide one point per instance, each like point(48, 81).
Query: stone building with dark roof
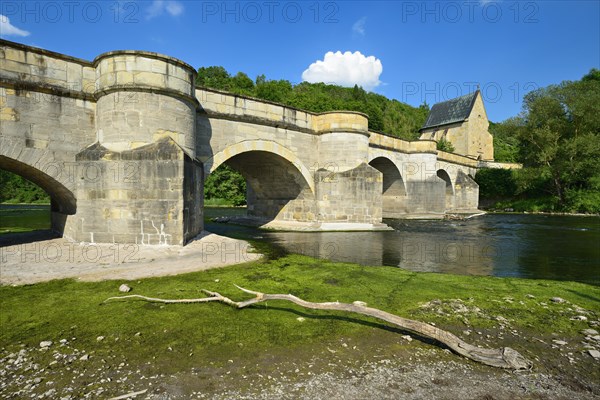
point(463, 122)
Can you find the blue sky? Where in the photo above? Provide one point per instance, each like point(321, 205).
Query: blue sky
point(413, 51)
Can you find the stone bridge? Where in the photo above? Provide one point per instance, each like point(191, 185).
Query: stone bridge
point(124, 143)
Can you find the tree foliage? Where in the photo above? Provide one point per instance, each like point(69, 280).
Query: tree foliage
point(227, 184)
point(560, 135)
point(445, 145)
point(16, 189)
point(557, 138)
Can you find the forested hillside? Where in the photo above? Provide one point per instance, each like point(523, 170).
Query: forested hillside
point(385, 115)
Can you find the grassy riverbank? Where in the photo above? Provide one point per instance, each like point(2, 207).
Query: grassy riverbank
point(148, 339)
point(25, 218)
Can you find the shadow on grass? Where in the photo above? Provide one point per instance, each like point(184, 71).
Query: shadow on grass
point(584, 295)
point(376, 325)
point(13, 239)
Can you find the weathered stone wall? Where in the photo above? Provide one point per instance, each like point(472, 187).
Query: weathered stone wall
point(144, 206)
point(466, 193)
point(480, 141)
point(136, 91)
point(47, 115)
point(52, 106)
point(351, 196)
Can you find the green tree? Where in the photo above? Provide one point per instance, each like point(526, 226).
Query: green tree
point(560, 136)
point(277, 91)
point(226, 183)
point(16, 189)
point(242, 84)
point(445, 145)
point(506, 139)
point(215, 77)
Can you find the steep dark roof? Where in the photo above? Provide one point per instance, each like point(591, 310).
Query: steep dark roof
point(451, 111)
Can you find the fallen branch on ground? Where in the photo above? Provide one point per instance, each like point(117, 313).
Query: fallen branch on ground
point(501, 358)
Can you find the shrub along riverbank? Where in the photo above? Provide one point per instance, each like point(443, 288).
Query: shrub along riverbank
point(96, 344)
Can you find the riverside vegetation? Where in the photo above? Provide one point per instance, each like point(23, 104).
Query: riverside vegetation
point(103, 349)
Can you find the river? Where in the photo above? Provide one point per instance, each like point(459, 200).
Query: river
point(516, 245)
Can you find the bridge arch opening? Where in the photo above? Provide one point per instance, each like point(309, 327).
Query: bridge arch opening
point(276, 188)
point(62, 200)
point(443, 175)
point(393, 188)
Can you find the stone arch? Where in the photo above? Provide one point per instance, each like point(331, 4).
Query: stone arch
point(443, 175)
point(393, 184)
point(265, 146)
point(394, 197)
point(63, 199)
point(279, 187)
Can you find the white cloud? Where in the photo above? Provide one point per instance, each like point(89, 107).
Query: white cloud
point(347, 69)
point(8, 29)
point(359, 26)
point(159, 7)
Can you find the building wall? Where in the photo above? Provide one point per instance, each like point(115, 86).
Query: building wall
point(471, 137)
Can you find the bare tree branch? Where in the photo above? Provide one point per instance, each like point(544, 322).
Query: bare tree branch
point(502, 358)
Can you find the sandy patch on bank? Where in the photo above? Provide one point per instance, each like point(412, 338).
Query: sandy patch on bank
point(59, 258)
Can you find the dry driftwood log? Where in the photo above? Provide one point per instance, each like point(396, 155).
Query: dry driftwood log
point(501, 358)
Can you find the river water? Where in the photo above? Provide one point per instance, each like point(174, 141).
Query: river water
point(517, 245)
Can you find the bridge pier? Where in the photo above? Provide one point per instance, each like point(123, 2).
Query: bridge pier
point(143, 184)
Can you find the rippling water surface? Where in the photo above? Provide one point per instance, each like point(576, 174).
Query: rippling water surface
point(528, 246)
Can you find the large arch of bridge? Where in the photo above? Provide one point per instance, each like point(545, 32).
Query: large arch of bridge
point(272, 153)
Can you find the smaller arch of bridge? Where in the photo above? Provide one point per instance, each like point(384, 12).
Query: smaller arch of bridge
point(443, 175)
point(393, 183)
point(259, 145)
point(63, 200)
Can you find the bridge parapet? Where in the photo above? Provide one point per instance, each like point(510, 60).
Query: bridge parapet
point(341, 121)
point(230, 106)
point(456, 159)
point(24, 67)
point(498, 165)
point(380, 140)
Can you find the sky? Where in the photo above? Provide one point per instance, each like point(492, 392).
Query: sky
point(412, 51)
